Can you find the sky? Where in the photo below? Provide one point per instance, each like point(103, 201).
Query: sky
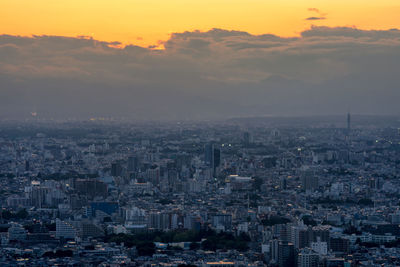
point(146, 22)
point(198, 59)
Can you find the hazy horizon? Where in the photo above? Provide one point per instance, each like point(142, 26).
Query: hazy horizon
point(203, 75)
point(207, 60)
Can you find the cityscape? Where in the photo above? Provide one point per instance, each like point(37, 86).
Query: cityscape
point(199, 133)
point(317, 191)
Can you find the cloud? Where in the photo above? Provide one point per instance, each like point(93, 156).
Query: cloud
point(212, 74)
point(315, 18)
point(313, 9)
point(316, 10)
point(321, 15)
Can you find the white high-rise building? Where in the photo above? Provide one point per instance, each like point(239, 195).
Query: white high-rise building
point(320, 247)
point(307, 258)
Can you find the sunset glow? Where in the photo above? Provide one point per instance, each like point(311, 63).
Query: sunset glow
point(147, 22)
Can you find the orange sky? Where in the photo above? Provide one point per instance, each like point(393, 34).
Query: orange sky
point(145, 22)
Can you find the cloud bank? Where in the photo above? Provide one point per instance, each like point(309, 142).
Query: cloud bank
point(202, 75)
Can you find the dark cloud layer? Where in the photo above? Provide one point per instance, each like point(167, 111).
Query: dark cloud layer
point(315, 18)
point(212, 74)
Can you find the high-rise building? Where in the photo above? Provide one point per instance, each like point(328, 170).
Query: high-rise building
point(65, 230)
point(212, 156)
point(282, 231)
point(320, 247)
point(286, 257)
point(301, 236)
point(208, 153)
point(154, 175)
point(116, 169)
point(217, 158)
point(246, 138)
point(307, 258)
point(159, 221)
point(322, 233)
point(16, 232)
point(223, 221)
point(338, 244)
point(37, 194)
point(283, 183)
point(348, 122)
point(133, 164)
point(274, 248)
point(309, 180)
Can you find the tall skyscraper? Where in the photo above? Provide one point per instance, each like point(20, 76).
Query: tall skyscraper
point(116, 169)
point(274, 245)
point(283, 183)
point(348, 122)
point(212, 156)
point(27, 165)
point(208, 153)
point(286, 257)
point(246, 138)
point(309, 180)
point(217, 158)
point(133, 163)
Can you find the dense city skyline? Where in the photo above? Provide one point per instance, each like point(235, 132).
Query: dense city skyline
point(188, 133)
point(238, 193)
